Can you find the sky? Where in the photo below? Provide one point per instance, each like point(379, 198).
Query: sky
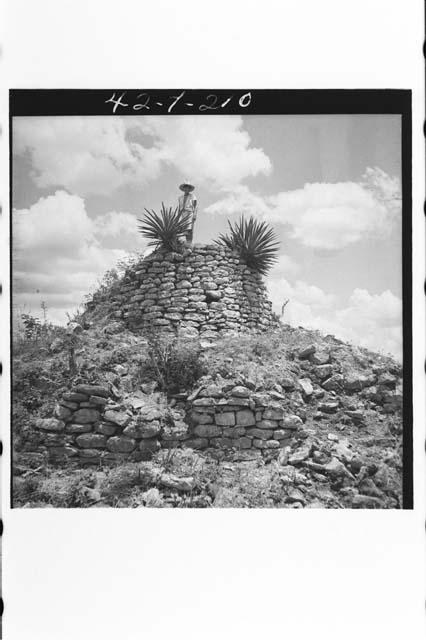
point(329, 185)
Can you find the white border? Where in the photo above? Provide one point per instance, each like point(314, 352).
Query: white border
point(219, 574)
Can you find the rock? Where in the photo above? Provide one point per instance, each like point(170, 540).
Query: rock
point(287, 383)
point(333, 437)
point(226, 419)
point(240, 392)
point(112, 328)
point(149, 446)
point(301, 454)
point(266, 444)
point(120, 444)
point(50, 424)
point(295, 495)
point(149, 387)
point(91, 441)
point(92, 390)
point(336, 468)
point(357, 381)
point(245, 418)
point(83, 416)
point(323, 371)
point(203, 418)
point(78, 428)
point(98, 400)
point(212, 391)
point(320, 357)
point(306, 386)
point(117, 417)
point(292, 422)
point(366, 502)
point(62, 413)
point(75, 397)
point(356, 416)
point(207, 431)
point(267, 424)
point(260, 434)
point(387, 380)
point(73, 328)
point(143, 430)
point(69, 405)
point(307, 351)
point(177, 484)
point(120, 370)
point(334, 383)
point(106, 429)
point(152, 498)
point(328, 407)
point(273, 413)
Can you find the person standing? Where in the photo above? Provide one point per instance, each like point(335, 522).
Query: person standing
point(188, 205)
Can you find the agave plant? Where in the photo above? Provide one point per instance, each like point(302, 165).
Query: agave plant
point(165, 228)
point(255, 241)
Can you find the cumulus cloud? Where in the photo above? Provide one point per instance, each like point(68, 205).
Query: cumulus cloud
point(60, 252)
point(91, 155)
point(370, 320)
point(326, 216)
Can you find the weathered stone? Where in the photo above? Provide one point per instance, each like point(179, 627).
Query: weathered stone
point(83, 416)
point(207, 431)
point(240, 392)
point(273, 413)
point(143, 430)
point(266, 444)
point(106, 428)
point(226, 419)
point(121, 444)
point(307, 351)
point(92, 390)
point(245, 418)
point(306, 386)
point(324, 371)
point(69, 405)
point(334, 383)
point(62, 413)
point(98, 400)
point(292, 422)
point(196, 443)
point(261, 434)
point(117, 417)
point(75, 397)
point(150, 446)
point(78, 428)
point(91, 441)
point(328, 407)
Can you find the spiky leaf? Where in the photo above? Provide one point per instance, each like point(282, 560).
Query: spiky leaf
point(165, 228)
point(255, 242)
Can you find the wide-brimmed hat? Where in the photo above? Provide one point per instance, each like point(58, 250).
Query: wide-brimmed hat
point(186, 186)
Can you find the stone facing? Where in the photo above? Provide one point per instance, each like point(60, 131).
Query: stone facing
point(204, 290)
point(237, 418)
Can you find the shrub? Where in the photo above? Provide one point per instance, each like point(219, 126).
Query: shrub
point(165, 228)
point(173, 363)
point(255, 242)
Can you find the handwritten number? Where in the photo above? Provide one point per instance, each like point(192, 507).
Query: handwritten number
point(212, 105)
point(226, 102)
point(142, 105)
point(117, 103)
point(245, 100)
point(177, 98)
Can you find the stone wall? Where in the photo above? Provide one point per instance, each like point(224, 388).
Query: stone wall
point(90, 426)
point(204, 290)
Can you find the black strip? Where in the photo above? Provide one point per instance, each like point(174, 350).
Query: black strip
point(407, 292)
point(74, 102)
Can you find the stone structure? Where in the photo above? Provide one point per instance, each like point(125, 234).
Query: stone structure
point(91, 427)
point(203, 290)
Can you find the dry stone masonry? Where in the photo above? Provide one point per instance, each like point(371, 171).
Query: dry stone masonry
point(91, 427)
point(202, 291)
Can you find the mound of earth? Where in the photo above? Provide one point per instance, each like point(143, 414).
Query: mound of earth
point(347, 452)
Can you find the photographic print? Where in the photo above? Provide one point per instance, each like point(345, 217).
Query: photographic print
point(211, 299)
